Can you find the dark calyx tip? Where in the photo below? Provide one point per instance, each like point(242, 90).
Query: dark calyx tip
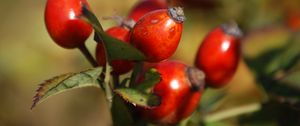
point(84, 8)
point(177, 14)
point(197, 78)
point(231, 28)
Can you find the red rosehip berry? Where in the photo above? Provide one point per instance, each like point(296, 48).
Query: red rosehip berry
point(146, 6)
point(158, 33)
point(293, 19)
point(179, 90)
point(219, 53)
point(63, 24)
point(119, 66)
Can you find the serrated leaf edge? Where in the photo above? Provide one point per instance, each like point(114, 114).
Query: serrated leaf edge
point(42, 86)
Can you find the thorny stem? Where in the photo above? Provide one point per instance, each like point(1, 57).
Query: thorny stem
point(87, 55)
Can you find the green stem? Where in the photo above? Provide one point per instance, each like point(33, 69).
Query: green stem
point(88, 55)
point(107, 86)
point(224, 114)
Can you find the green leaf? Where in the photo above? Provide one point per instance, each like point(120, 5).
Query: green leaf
point(138, 67)
point(66, 82)
point(152, 77)
point(115, 48)
point(90, 17)
point(211, 100)
point(286, 59)
point(277, 59)
point(266, 63)
point(125, 82)
point(138, 98)
point(120, 113)
point(292, 79)
point(291, 56)
point(276, 87)
point(273, 69)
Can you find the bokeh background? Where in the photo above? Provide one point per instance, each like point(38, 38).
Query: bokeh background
point(28, 56)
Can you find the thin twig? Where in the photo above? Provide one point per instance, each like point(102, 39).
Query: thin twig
point(88, 55)
point(108, 89)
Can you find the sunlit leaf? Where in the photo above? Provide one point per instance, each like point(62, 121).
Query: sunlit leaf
point(125, 82)
point(66, 82)
point(151, 78)
point(138, 98)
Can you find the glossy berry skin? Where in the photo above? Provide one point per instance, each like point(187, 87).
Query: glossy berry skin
point(218, 55)
point(119, 66)
point(178, 96)
point(157, 34)
point(146, 6)
point(63, 24)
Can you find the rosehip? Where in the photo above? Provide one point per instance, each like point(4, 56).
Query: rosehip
point(158, 33)
point(179, 90)
point(62, 23)
point(219, 53)
point(293, 19)
point(119, 66)
point(146, 6)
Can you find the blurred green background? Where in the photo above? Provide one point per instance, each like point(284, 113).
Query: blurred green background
point(28, 56)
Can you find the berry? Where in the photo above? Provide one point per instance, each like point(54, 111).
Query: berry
point(146, 6)
point(63, 24)
point(179, 90)
point(219, 53)
point(119, 66)
point(158, 33)
point(293, 20)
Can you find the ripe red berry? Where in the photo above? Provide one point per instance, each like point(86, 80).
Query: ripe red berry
point(293, 20)
point(119, 66)
point(219, 53)
point(146, 6)
point(179, 90)
point(63, 24)
point(158, 33)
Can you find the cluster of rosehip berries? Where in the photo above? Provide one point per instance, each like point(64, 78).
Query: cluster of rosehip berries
point(156, 34)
